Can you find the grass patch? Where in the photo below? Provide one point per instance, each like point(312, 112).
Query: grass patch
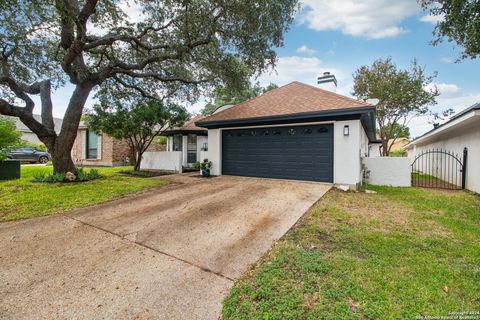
point(20, 199)
point(398, 254)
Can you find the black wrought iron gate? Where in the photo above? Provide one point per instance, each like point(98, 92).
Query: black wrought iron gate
point(437, 168)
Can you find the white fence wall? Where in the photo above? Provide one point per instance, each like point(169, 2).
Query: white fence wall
point(389, 171)
point(162, 160)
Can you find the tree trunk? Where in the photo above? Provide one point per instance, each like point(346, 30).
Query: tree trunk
point(62, 160)
point(138, 160)
point(61, 153)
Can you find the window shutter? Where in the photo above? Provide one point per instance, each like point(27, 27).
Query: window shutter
point(83, 140)
point(99, 146)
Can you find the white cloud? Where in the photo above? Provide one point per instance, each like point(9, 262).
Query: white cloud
point(446, 89)
point(372, 19)
point(447, 60)
point(305, 49)
point(431, 19)
point(295, 68)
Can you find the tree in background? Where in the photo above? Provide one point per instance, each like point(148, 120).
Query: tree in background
point(9, 136)
point(138, 124)
point(397, 130)
point(402, 95)
point(223, 96)
point(175, 47)
point(459, 22)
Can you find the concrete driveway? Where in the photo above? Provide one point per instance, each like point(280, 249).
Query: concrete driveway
point(169, 253)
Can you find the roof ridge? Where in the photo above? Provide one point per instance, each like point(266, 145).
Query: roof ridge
point(253, 98)
point(333, 93)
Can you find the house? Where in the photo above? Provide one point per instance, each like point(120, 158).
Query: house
point(27, 134)
point(398, 144)
point(460, 132)
point(98, 149)
point(189, 139)
point(297, 131)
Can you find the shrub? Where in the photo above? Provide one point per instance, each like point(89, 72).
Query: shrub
point(81, 175)
point(196, 165)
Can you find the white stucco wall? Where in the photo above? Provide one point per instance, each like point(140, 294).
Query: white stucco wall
point(347, 150)
point(388, 171)
point(162, 160)
point(200, 141)
point(455, 140)
point(214, 153)
point(374, 150)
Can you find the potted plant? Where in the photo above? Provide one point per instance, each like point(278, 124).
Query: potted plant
point(205, 167)
point(9, 169)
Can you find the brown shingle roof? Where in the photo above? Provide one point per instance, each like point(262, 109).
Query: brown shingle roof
point(293, 98)
point(188, 126)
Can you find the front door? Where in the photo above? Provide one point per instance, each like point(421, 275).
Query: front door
point(191, 148)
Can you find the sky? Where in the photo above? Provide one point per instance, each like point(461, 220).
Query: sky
point(340, 36)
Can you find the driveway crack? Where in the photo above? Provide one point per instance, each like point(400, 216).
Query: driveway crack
point(202, 268)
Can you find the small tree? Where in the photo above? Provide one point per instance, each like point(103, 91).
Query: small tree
point(9, 136)
point(224, 96)
point(459, 22)
point(402, 95)
point(139, 124)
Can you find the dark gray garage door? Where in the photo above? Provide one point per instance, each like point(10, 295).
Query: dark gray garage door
point(296, 152)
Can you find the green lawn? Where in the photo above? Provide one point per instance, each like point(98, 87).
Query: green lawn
point(20, 199)
point(399, 254)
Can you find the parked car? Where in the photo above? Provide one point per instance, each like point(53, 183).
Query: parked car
point(29, 154)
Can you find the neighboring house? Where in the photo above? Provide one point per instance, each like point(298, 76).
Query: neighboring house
point(188, 139)
point(98, 149)
point(461, 131)
point(27, 134)
point(296, 132)
point(398, 145)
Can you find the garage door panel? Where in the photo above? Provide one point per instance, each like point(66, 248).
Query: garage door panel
point(295, 152)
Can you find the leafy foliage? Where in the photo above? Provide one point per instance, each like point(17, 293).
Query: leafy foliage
point(401, 93)
point(224, 96)
point(176, 49)
point(9, 136)
point(81, 175)
point(459, 22)
point(397, 130)
point(138, 124)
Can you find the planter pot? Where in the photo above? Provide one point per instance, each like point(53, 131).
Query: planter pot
point(205, 173)
point(9, 169)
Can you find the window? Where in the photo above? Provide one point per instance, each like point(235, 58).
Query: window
point(177, 143)
point(92, 145)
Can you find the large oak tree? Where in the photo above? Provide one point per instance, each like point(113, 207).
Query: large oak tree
point(176, 47)
point(458, 22)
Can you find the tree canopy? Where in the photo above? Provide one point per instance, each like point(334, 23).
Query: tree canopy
point(138, 124)
point(174, 48)
point(402, 95)
point(9, 135)
point(223, 96)
point(459, 22)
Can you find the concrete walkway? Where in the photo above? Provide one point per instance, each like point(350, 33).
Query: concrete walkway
point(169, 253)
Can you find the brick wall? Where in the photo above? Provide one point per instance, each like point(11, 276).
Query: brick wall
point(113, 151)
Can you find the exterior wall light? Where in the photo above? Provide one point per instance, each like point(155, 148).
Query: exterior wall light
point(346, 131)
